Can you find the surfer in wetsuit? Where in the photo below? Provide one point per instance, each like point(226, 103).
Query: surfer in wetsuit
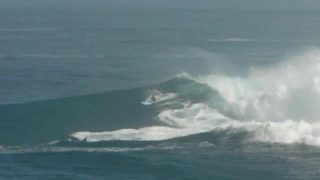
point(153, 98)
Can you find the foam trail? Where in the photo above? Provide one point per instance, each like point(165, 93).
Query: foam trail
point(194, 119)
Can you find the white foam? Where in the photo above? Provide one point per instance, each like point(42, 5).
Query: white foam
point(145, 134)
point(160, 97)
point(289, 132)
point(282, 101)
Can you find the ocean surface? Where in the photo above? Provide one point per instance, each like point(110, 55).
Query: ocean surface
point(237, 93)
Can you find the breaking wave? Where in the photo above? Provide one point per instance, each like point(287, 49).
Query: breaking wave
point(278, 103)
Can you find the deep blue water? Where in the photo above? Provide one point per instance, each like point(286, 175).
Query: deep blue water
point(237, 93)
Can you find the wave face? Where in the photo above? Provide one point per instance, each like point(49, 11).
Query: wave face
point(278, 103)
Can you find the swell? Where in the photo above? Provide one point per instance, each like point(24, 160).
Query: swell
point(44, 121)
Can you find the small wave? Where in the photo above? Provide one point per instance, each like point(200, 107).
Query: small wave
point(27, 29)
point(248, 40)
point(233, 40)
point(90, 148)
point(5, 56)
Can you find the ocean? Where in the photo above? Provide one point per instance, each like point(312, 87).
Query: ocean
point(237, 93)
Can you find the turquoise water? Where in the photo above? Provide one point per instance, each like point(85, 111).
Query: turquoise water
point(237, 93)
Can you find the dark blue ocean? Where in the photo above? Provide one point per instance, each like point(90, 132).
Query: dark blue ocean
point(237, 93)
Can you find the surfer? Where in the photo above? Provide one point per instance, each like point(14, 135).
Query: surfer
point(153, 98)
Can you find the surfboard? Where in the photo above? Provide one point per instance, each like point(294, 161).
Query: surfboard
point(145, 103)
